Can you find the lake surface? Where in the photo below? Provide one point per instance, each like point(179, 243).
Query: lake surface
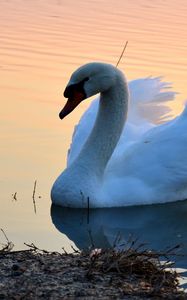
point(41, 43)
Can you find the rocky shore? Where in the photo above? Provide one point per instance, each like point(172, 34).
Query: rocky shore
point(106, 274)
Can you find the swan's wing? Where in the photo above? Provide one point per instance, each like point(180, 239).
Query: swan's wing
point(148, 105)
point(154, 169)
point(147, 98)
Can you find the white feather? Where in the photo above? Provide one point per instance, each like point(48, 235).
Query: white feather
point(149, 162)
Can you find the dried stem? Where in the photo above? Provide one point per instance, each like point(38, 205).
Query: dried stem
point(124, 48)
point(14, 196)
point(33, 196)
point(8, 246)
point(5, 235)
point(88, 210)
point(75, 250)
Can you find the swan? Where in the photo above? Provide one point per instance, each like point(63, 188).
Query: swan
point(112, 165)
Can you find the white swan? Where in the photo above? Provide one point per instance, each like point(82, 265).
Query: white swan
point(149, 164)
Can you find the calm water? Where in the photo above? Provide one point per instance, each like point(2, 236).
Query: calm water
point(41, 43)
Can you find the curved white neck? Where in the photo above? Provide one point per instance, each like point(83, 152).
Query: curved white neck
point(107, 129)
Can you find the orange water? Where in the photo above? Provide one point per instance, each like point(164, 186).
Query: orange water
point(41, 43)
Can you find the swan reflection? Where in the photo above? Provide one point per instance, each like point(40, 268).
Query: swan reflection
point(160, 226)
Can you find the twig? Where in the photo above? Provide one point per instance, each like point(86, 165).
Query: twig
point(117, 239)
point(8, 246)
point(14, 196)
point(33, 196)
point(91, 239)
point(35, 248)
point(88, 210)
point(8, 252)
point(75, 250)
point(5, 235)
point(124, 48)
point(65, 252)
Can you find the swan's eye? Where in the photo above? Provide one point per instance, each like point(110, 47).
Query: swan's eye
point(76, 87)
point(75, 93)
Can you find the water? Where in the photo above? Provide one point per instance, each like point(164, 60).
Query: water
point(145, 227)
point(156, 226)
point(41, 43)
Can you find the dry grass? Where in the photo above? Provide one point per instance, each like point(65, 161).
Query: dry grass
point(106, 274)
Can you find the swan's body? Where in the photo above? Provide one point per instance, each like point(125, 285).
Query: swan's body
point(147, 165)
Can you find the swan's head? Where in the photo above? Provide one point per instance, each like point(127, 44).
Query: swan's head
point(87, 81)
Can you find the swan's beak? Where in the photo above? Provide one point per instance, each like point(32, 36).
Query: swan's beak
point(71, 104)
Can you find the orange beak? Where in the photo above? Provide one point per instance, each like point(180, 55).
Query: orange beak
point(72, 102)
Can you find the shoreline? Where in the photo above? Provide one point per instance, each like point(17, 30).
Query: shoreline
point(98, 274)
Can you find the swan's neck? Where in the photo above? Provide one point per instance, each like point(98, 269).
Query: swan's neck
point(107, 129)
